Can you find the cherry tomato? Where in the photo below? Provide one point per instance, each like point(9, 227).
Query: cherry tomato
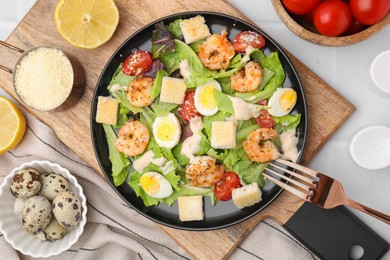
point(332, 18)
point(187, 109)
point(355, 27)
point(265, 120)
point(137, 63)
point(301, 7)
point(248, 38)
point(369, 11)
point(223, 188)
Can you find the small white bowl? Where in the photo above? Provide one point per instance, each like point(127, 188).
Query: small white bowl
point(370, 147)
point(379, 71)
point(12, 228)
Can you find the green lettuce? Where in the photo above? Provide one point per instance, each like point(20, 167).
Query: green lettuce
point(224, 103)
point(181, 159)
point(163, 108)
point(120, 163)
point(250, 172)
point(157, 83)
point(287, 122)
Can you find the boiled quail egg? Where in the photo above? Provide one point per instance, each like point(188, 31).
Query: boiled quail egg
point(282, 101)
point(155, 185)
point(205, 101)
point(166, 130)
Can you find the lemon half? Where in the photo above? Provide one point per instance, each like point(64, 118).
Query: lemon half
point(86, 23)
point(12, 125)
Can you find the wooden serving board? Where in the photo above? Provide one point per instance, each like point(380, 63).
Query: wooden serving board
point(71, 122)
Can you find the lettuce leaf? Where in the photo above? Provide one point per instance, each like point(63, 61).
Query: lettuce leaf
point(157, 83)
point(119, 161)
point(186, 190)
point(181, 159)
point(250, 172)
point(287, 122)
point(224, 103)
point(174, 28)
point(163, 108)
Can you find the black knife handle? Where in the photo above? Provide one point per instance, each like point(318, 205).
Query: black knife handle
point(331, 233)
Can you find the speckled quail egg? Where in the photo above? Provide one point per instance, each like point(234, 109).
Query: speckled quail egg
point(67, 209)
point(36, 214)
point(25, 183)
point(52, 185)
point(18, 205)
point(52, 232)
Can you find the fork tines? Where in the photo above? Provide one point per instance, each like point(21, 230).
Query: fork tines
point(302, 185)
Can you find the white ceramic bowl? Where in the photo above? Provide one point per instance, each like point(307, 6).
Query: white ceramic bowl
point(12, 228)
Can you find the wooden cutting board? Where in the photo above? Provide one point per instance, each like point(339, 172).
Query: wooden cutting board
point(71, 122)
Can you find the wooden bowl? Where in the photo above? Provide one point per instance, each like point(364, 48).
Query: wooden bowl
point(298, 25)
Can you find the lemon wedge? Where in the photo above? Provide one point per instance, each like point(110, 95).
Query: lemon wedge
point(12, 125)
point(86, 23)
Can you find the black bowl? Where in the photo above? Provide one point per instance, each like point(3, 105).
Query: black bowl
point(223, 214)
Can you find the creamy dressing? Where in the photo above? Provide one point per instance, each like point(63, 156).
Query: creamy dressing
point(141, 163)
point(185, 68)
point(289, 145)
point(192, 144)
point(248, 52)
point(116, 87)
point(243, 110)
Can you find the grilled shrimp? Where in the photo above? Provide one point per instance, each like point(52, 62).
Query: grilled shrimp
point(259, 148)
point(138, 91)
point(216, 51)
point(203, 172)
point(133, 138)
point(248, 78)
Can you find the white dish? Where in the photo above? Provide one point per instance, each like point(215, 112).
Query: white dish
point(370, 147)
point(379, 71)
point(12, 228)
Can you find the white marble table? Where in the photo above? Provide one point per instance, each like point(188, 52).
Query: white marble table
point(346, 69)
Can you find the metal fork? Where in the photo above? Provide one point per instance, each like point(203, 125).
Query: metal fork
point(315, 187)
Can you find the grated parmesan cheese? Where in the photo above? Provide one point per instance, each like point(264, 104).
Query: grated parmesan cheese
point(44, 78)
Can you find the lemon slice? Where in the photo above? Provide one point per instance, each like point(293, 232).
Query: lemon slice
point(86, 23)
point(12, 125)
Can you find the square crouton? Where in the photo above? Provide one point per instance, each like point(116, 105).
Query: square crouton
point(191, 208)
point(194, 29)
point(173, 90)
point(107, 110)
point(247, 195)
point(223, 135)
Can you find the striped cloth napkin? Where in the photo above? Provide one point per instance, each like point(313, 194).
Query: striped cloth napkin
point(114, 230)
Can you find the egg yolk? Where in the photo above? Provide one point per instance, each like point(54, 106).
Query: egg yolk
point(166, 131)
point(207, 97)
point(149, 183)
point(288, 99)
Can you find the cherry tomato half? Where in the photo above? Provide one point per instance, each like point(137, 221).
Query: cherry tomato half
point(224, 187)
point(301, 7)
point(187, 109)
point(369, 11)
point(265, 120)
point(332, 18)
point(137, 63)
point(248, 38)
